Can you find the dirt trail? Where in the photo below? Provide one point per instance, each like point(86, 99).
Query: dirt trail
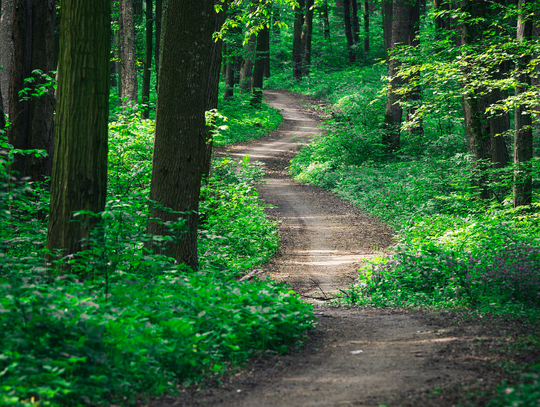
point(356, 357)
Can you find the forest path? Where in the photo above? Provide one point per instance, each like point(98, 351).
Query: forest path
point(354, 357)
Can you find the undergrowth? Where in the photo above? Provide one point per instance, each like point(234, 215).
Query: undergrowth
point(139, 323)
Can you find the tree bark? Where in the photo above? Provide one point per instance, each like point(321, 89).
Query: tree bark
point(523, 136)
point(404, 27)
point(79, 179)
point(355, 24)
point(6, 48)
point(127, 51)
point(212, 88)
point(147, 60)
point(306, 40)
point(348, 30)
point(180, 134)
point(297, 39)
point(246, 69)
point(258, 68)
point(32, 120)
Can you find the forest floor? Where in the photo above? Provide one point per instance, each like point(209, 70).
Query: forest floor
point(354, 356)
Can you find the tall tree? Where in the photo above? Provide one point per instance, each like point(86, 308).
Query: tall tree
point(366, 26)
point(180, 135)
point(323, 12)
point(306, 40)
point(32, 120)
point(355, 21)
point(159, 13)
point(127, 50)
point(297, 39)
point(147, 58)
point(348, 29)
point(406, 17)
point(246, 67)
point(523, 136)
point(6, 47)
point(79, 178)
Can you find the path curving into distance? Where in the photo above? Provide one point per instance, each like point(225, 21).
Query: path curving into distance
point(354, 357)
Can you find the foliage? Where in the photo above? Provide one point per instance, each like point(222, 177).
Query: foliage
point(140, 323)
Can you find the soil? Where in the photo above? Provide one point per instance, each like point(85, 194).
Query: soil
point(354, 356)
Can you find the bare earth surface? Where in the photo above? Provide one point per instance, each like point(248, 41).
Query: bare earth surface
point(354, 357)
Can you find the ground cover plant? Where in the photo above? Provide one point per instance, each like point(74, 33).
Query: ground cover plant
point(139, 323)
point(452, 249)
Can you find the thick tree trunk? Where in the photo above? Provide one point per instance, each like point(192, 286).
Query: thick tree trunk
point(180, 123)
point(6, 48)
point(366, 27)
point(348, 30)
point(32, 120)
point(297, 39)
point(147, 60)
point(523, 136)
point(79, 180)
point(246, 69)
point(127, 51)
point(307, 33)
point(387, 20)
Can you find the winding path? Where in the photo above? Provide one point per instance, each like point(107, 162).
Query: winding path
point(354, 357)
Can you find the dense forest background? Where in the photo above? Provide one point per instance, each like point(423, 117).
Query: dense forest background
point(123, 238)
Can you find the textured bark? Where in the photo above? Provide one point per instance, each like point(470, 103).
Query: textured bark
point(246, 68)
point(523, 136)
point(387, 20)
point(297, 39)
point(404, 28)
point(127, 51)
point(32, 120)
point(147, 59)
point(348, 29)
point(307, 34)
point(79, 179)
point(180, 122)
point(6, 48)
point(366, 27)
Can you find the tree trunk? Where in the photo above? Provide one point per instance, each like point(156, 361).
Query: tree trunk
point(246, 69)
point(297, 39)
point(147, 60)
point(348, 29)
point(180, 123)
point(258, 68)
point(404, 27)
point(6, 48)
point(79, 179)
point(32, 120)
point(212, 89)
point(307, 33)
point(127, 51)
point(159, 12)
point(366, 27)
point(523, 136)
point(266, 54)
point(325, 19)
point(355, 25)
point(387, 20)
